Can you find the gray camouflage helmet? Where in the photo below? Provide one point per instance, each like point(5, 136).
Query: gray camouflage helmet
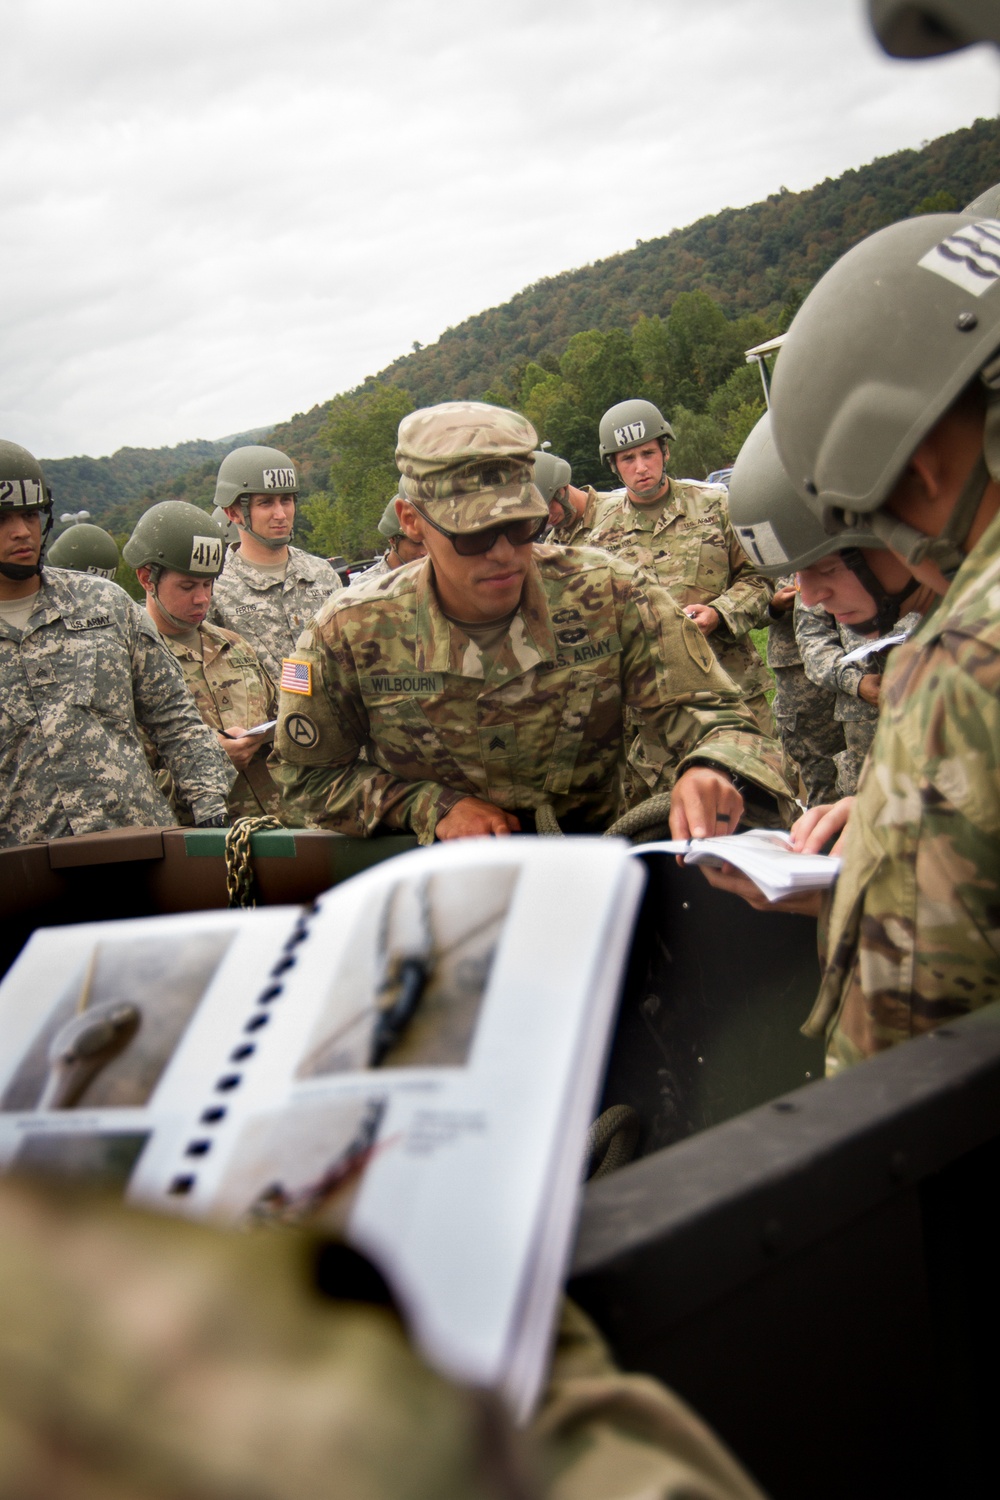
point(551, 474)
point(85, 548)
point(930, 28)
point(880, 349)
point(179, 538)
point(628, 424)
point(773, 525)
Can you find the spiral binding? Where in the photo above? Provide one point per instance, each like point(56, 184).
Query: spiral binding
point(184, 1183)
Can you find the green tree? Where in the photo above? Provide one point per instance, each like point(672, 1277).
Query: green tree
point(360, 433)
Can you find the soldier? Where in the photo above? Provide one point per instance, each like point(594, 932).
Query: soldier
point(677, 533)
point(886, 408)
point(177, 553)
point(495, 679)
point(268, 589)
point(572, 511)
point(81, 667)
point(400, 551)
point(84, 548)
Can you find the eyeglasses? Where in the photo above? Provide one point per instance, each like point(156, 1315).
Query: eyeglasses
point(475, 543)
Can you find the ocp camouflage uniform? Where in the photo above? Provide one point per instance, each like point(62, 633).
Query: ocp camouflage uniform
point(144, 1356)
point(89, 669)
point(912, 939)
point(803, 712)
point(576, 528)
point(688, 547)
point(593, 658)
point(269, 612)
point(231, 689)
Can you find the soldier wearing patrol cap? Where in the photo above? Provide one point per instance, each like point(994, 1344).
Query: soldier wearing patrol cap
point(497, 677)
point(177, 553)
point(886, 413)
point(401, 549)
point(677, 533)
point(85, 548)
point(268, 588)
point(81, 669)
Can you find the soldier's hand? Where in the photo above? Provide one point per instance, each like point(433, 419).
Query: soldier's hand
point(241, 749)
point(728, 878)
point(783, 599)
point(812, 832)
point(869, 688)
point(472, 818)
point(704, 616)
point(704, 803)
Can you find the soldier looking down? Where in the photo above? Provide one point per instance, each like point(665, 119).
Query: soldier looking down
point(677, 534)
point(85, 548)
point(81, 669)
point(268, 589)
point(497, 677)
point(177, 553)
point(886, 412)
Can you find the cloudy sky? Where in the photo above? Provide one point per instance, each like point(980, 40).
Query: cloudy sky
point(219, 212)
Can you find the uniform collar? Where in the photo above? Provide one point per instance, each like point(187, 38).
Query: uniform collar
point(529, 641)
point(647, 518)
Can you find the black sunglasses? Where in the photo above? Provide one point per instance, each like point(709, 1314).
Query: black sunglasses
point(475, 543)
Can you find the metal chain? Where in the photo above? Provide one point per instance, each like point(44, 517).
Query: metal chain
point(239, 865)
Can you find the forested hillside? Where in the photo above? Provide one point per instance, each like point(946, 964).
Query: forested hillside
point(668, 319)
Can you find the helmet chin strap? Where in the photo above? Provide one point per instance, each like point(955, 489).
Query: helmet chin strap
point(272, 543)
point(155, 574)
point(946, 549)
point(886, 605)
point(651, 491)
point(20, 572)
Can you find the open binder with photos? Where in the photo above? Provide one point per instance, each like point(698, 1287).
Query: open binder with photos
point(411, 1065)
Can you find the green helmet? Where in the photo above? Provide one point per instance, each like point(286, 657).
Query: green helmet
point(987, 205)
point(551, 473)
point(176, 537)
point(255, 471)
point(929, 28)
point(85, 549)
point(628, 424)
point(389, 523)
point(23, 487)
point(230, 530)
point(773, 525)
point(879, 350)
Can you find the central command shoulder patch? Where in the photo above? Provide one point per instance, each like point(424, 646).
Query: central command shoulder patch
point(296, 677)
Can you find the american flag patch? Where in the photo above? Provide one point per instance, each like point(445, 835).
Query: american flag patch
point(296, 677)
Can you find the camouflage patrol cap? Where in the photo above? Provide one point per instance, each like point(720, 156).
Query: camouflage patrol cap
point(469, 465)
point(880, 349)
point(775, 528)
point(22, 483)
point(930, 28)
point(551, 474)
point(628, 424)
point(178, 537)
point(85, 548)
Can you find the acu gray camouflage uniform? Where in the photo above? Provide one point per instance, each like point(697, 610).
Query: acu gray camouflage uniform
point(88, 669)
point(822, 644)
point(595, 658)
point(687, 546)
point(270, 612)
point(803, 712)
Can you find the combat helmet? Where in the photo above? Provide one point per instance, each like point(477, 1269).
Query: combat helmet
point(175, 537)
point(628, 424)
point(930, 28)
point(780, 535)
point(551, 474)
point(230, 530)
point(880, 349)
point(389, 523)
point(256, 471)
point(23, 487)
point(85, 548)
